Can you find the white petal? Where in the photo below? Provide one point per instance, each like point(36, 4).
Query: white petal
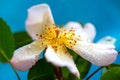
point(26, 56)
point(107, 40)
point(73, 25)
point(90, 30)
point(98, 54)
point(79, 31)
point(38, 16)
point(61, 58)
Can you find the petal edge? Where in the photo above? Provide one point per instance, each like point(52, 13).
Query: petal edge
point(38, 16)
point(98, 54)
point(26, 56)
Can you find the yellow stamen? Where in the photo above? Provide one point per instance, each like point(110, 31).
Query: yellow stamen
point(56, 37)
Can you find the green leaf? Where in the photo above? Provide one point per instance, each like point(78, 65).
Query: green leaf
point(106, 68)
point(111, 74)
point(114, 65)
point(82, 65)
point(21, 39)
point(73, 77)
point(74, 55)
point(6, 42)
point(41, 71)
point(65, 72)
point(67, 75)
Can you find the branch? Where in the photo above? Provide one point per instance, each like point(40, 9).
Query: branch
point(15, 71)
point(58, 73)
point(93, 73)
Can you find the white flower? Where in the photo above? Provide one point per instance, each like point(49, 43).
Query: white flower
point(40, 26)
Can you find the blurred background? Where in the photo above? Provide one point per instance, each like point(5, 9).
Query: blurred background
point(104, 14)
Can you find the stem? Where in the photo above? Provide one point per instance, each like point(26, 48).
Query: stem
point(93, 73)
point(58, 73)
point(15, 71)
point(7, 59)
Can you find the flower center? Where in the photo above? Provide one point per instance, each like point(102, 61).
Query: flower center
point(56, 37)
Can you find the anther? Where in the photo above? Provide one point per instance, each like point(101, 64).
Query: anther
point(57, 32)
point(41, 35)
point(62, 26)
point(75, 41)
point(37, 34)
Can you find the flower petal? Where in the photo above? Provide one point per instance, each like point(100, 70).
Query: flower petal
point(26, 56)
point(98, 54)
point(107, 40)
point(90, 30)
point(77, 27)
point(38, 17)
point(73, 25)
point(61, 58)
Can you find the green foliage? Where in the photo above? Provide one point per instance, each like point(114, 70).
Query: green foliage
point(82, 65)
point(73, 77)
point(41, 71)
point(111, 74)
point(6, 42)
point(65, 72)
point(21, 39)
point(114, 65)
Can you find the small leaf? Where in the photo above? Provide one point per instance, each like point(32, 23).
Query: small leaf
point(6, 42)
point(72, 77)
point(82, 65)
point(21, 39)
point(114, 65)
point(74, 55)
point(65, 72)
point(111, 74)
point(41, 71)
point(106, 68)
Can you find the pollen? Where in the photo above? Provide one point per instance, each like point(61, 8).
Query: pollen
point(58, 37)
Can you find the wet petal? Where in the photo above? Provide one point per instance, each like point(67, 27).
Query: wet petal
point(61, 58)
point(38, 16)
point(90, 30)
point(98, 54)
point(73, 25)
point(26, 56)
point(77, 27)
point(107, 40)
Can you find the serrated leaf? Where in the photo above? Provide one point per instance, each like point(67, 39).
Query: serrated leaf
point(111, 74)
point(21, 39)
point(6, 42)
point(41, 71)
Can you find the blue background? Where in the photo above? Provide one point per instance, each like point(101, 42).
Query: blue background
point(104, 14)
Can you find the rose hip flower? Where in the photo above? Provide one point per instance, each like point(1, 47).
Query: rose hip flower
point(46, 35)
